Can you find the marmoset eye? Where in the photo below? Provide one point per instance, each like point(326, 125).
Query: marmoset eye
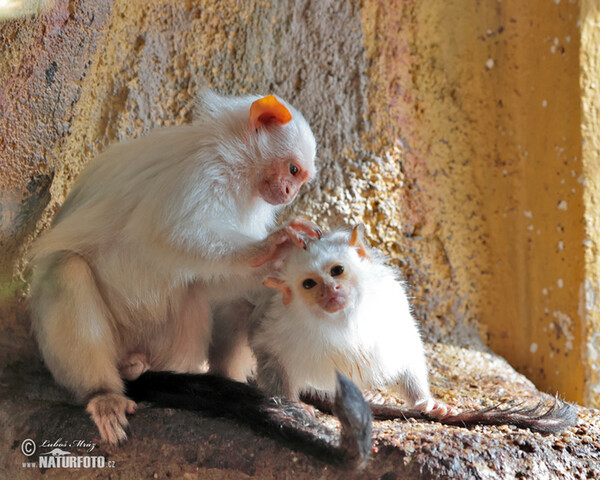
point(308, 283)
point(337, 270)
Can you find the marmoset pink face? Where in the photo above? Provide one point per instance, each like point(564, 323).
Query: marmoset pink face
point(282, 180)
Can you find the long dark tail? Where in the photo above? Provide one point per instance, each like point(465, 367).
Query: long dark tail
point(540, 418)
point(275, 417)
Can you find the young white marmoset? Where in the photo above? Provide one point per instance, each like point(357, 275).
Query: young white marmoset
point(339, 307)
point(155, 230)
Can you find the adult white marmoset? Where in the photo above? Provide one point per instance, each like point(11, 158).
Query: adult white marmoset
point(149, 236)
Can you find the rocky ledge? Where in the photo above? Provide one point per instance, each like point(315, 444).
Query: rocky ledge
point(179, 444)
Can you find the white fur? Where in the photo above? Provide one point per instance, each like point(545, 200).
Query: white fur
point(149, 236)
point(374, 340)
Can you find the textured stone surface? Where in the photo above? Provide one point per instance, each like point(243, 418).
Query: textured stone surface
point(450, 127)
point(483, 105)
point(140, 69)
point(175, 444)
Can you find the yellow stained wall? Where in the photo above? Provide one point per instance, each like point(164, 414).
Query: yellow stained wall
point(536, 191)
point(485, 98)
point(590, 86)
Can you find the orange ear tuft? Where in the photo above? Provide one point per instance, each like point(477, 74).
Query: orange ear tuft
point(278, 284)
point(267, 110)
point(357, 240)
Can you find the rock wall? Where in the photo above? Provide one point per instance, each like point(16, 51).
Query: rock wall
point(451, 128)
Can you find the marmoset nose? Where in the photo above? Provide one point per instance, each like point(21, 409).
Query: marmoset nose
point(329, 289)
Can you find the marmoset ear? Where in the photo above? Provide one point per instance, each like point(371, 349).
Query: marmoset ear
point(268, 110)
point(278, 284)
point(357, 240)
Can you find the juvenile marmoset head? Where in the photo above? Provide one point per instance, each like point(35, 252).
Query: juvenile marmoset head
point(325, 274)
